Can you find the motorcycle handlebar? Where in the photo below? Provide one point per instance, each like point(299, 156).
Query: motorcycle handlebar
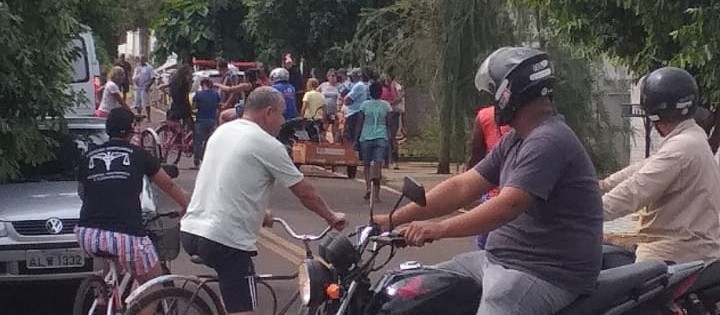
point(393, 239)
point(301, 237)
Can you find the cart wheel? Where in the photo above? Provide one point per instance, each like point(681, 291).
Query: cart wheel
point(351, 172)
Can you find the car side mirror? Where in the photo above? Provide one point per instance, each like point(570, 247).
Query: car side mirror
point(414, 191)
point(171, 170)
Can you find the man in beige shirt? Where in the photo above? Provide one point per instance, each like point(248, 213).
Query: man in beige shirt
point(677, 186)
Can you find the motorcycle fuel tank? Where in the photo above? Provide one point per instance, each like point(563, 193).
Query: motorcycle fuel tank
point(421, 290)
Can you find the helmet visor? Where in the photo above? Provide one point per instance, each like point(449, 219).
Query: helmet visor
point(483, 81)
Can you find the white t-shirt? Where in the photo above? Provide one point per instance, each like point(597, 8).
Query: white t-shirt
point(143, 76)
point(331, 94)
point(109, 102)
point(233, 186)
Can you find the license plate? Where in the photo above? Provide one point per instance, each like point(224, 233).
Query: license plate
point(54, 258)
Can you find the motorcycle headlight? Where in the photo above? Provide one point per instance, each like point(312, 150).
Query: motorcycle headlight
point(313, 277)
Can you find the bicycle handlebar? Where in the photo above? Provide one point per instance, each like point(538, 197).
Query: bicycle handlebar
point(301, 237)
point(162, 215)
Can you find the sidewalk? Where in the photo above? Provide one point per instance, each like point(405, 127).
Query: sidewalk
point(424, 172)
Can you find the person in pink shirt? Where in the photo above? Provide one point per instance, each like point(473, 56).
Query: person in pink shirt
point(390, 95)
point(486, 134)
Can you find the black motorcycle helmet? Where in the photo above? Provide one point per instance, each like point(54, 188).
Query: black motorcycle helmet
point(514, 76)
point(667, 92)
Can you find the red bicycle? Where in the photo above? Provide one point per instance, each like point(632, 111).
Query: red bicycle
point(174, 139)
point(147, 139)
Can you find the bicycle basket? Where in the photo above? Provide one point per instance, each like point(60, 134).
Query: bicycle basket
point(165, 236)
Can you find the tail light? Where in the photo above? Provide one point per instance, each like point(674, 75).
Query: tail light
point(96, 87)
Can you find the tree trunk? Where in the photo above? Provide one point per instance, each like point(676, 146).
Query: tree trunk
point(445, 137)
point(144, 34)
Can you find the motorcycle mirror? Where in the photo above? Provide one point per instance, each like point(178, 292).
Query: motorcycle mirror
point(171, 170)
point(414, 191)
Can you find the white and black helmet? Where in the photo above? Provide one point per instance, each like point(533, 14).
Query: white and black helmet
point(667, 91)
point(279, 74)
point(514, 76)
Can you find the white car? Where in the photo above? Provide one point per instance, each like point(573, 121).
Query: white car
point(39, 212)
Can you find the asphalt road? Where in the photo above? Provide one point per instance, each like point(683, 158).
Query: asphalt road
point(278, 253)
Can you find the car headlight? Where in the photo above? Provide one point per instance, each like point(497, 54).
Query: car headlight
point(313, 277)
point(3, 229)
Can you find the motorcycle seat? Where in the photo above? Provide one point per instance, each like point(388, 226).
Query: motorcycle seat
point(709, 277)
point(617, 285)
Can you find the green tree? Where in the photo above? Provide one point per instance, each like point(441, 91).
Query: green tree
point(104, 17)
point(438, 45)
point(644, 35)
point(307, 28)
point(34, 72)
point(203, 29)
point(140, 15)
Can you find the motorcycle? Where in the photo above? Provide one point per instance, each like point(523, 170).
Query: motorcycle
point(339, 283)
point(703, 296)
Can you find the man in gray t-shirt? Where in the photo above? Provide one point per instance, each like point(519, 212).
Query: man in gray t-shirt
point(545, 246)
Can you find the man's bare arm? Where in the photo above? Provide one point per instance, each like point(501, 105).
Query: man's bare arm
point(309, 198)
point(242, 87)
point(169, 187)
point(507, 206)
point(477, 147)
point(464, 188)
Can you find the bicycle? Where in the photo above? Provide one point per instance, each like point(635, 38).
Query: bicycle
point(146, 138)
point(174, 138)
point(108, 291)
point(191, 289)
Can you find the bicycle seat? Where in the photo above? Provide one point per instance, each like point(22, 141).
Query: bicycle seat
point(618, 285)
point(197, 260)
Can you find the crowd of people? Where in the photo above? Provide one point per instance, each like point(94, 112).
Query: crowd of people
point(541, 229)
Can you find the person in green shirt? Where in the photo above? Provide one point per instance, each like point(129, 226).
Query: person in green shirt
point(374, 134)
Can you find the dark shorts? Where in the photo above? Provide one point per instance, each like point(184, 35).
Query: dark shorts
point(330, 118)
point(351, 132)
point(373, 150)
point(234, 267)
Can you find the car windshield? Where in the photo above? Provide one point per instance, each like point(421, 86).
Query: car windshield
point(63, 166)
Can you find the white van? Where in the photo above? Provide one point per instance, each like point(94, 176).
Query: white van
point(85, 80)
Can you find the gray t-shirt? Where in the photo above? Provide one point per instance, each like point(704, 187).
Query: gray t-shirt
point(559, 238)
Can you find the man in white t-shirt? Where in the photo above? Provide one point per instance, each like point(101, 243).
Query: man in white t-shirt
point(143, 79)
point(242, 162)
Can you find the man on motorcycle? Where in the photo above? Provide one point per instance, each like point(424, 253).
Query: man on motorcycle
point(243, 161)
point(676, 187)
point(546, 222)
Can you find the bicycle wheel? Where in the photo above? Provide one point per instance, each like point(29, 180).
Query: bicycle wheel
point(188, 143)
point(150, 143)
point(169, 144)
point(85, 299)
point(173, 301)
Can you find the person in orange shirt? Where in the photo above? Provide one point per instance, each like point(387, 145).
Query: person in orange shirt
point(486, 134)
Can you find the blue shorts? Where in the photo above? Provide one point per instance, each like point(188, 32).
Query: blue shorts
point(373, 150)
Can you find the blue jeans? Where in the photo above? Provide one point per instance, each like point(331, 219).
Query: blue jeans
point(203, 128)
point(373, 150)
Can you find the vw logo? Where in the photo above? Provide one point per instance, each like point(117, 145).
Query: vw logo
point(54, 225)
